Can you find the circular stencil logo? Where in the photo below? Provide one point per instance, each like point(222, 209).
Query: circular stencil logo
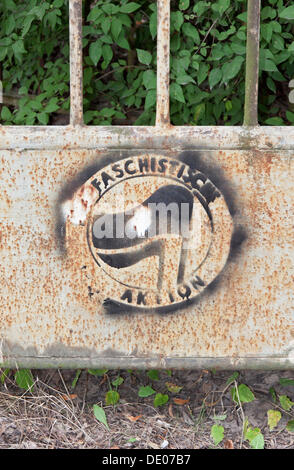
point(159, 232)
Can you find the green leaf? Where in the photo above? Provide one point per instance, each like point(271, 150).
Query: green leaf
point(129, 7)
point(190, 31)
point(202, 73)
point(267, 61)
point(257, 442)
point(153, 25)
point(184, 79)
point(160, 399)
point(106, 38)
point(288, 13)
point(255, 437)
point(18, 49)
point(99, 372)
point(267, 31)
point(27, 24)
point(221, 6)
point(58, 3)
point(215, 77)
point(184, 4)
point(176, 93)
point(199, 112)
point(217, 433)
point(274, 121)
point(273, 417)
point(290, 425)
point(220, 417)
point(144, 56)
point(273, 394)
point(94, 13)
point(290, 117)
point(99, 414)
point(243, 17)
point(112, 397)
point(271, 84)
point(244, 392)
point(122, 42)
point(231, 69)
point(153, 374)
point(107, 54)
point(173, 388)
point(43, 118)
point(232, 378)
point(95, 51)
point(177, 19)
point(286, 403)
point(9, 25)
point(267, 12)
point(117, 382)
point(52, 106)
point(105, 25)
point(116, 27)
point(149, 79)
point(4, 375)
point(150, 99)
point(107, 112)
point(287, 382)
point(146, 391)
point(238, 48)
point(24, 378)
point(5, 114)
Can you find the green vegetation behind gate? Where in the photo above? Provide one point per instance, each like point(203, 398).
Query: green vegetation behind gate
point(208, 47)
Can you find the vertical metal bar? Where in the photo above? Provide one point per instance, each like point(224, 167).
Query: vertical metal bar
point(163, 40)
point(76, 62)
point(252, 63)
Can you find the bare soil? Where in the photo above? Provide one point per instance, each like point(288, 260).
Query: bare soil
point(55, 415)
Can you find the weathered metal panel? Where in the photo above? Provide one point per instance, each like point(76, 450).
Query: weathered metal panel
point(221, 299)
point(53, 292)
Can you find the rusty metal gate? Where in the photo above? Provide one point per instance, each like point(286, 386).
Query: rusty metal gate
point(217, 293)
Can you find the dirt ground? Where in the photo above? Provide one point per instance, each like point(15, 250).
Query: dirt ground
point(54, 414)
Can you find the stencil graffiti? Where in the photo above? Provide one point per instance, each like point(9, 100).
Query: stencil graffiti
point(158, 230)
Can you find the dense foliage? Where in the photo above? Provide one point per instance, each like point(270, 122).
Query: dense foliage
point(208, 40)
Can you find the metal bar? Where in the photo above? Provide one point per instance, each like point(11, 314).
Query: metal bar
point(147, 137)
point(163, 33)
point(76, 62)
point(129, 362)
point(252, 64)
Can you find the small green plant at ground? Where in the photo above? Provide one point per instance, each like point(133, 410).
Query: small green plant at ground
point(3, 375)
point(100, 415)
point(217, 434)
point(241, 393)
point(254, 436)
point(112, 397)
point(290, 426)
point(24, 379)
point(160, 399)
point(153, 374)
point(146, 391)
point(273, 417)
point(285, 402)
